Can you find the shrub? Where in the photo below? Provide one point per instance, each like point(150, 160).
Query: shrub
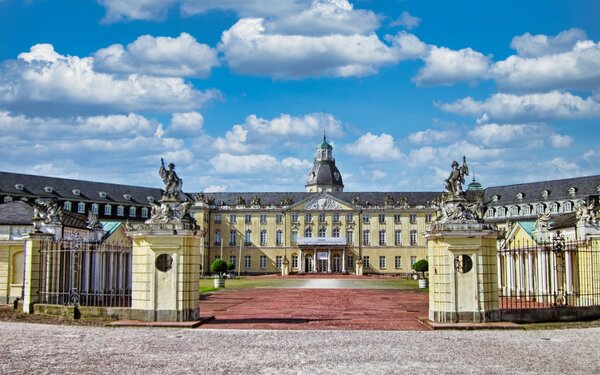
point(421, 266)
point(219, 267)
point(230, 266)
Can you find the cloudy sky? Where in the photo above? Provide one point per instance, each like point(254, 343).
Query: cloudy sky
point(237, 93)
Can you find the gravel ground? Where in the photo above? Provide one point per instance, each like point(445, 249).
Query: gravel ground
point(49, 349)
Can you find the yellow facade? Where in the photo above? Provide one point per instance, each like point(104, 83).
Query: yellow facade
point(11, 270)
point(273, 236)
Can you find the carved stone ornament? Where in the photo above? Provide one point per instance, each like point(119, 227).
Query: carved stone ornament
point(390, 201)
point(173, 183)
point(92, 221)
point(200, 197)
point(169, 212)
point(240, 201)
point(456, 210)
point(255, 201)
point(48, 211)
point(322, 203)
point(287, 200)
point(585, 213)
point(453, 184)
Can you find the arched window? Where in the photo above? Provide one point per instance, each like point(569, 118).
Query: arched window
point(322, 232)
point(81, 207)
point(120, 210)
point(107, 209)
point(144, 211)
point(67, 206)
point(336, 232)
point(308, 232)
point(95, 208)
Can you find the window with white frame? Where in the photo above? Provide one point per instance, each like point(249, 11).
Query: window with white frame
point(248, 237)
point(279, 238)
point(413, 260)
point(232, 219)
point(248, 219)
point(247, 261)
point(263, 262)
point(294, 237)
point(95, 208)
point(413, 238)
point(554, 207)
point(367, 261)
point(514, 211)
point(413, 218)
point(263, 237)
point(218, 237)
point(120, 210)
point(350, 261)
point(349, 218)
point(217, 218)
point(144, 212)
point(66, 205)
point(489, 212)
point(335, 232)
point(398, 262)
point(107, 209)
point(81, 207)
point(263, 219)
point(132, 211)
point(382, 237)
point(232, 237)
point(397, 219)
point(308, 232)
point(294, 261)
point(382, 262)
point(278, 261)
point(8, 199)
point(501, 211)
point(336, 217)
point(350, 237)
point(526, 210)
point(428, 218)
point(278, 218)
point(539, 209)
point(322, 232)
point(381, 218)
point(366, 237)
point(398, 237)
point(366, 218)
point(232, 259)
point(567, 207)
point(308, 217)
point(294, 218)
point(322, 218)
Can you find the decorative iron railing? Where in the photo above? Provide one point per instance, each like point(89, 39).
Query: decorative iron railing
point(74, 272)
point(555, 273)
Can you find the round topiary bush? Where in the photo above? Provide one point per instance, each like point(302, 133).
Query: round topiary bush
point(230, 266)
point(219, 267)
point(421, 266)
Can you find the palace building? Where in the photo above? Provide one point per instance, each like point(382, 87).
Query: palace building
point(323, 229)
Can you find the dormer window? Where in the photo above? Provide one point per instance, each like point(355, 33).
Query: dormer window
point(20, 187)
point(520, 196)
point(76, 192)
point(102, 194)
point(572, 191)
point(150, 199)
point(567, 207)
point(495, 198)
point(545, 194)
point(48, 189)
point(127, 197)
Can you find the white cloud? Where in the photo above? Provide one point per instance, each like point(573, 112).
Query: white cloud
point(578, 68)
point(545, 106)
point(591, 155)
point(249, 50)
point(186, 124)
point(406, 20)
point(286, 125)
point(431, 136)
point(377, 174)
point(234, 141)
point(215, 188)
point(246, 8)
point(295, 163)
point(131, 124)
point(181, 57)
point(119, 10)
point(244, 164)
point(62, 83)
point(518, 135)
point(528, 45)
point(375, 147)
point(444, 66)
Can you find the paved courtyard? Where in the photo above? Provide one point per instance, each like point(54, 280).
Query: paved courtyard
point(315, 304)
point(43, 349)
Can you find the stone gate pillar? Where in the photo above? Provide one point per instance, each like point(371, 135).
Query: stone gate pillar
point(463, 270)
point(32, 272)
point(166, 265)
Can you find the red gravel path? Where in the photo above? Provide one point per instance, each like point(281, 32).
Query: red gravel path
point(324, 309)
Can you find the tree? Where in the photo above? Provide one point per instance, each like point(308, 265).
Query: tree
point(230, 266)
point(219, 267)
point(421, 266)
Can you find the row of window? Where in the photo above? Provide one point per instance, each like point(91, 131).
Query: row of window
point(95, 208)
point(349, 261)
point(525, 210)
point(308, 232)
point(322, 218)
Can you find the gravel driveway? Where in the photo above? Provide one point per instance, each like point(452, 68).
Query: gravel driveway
point(34, 348)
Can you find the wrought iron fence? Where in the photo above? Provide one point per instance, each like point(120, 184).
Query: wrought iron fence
point(550, 274)
point(74, 272)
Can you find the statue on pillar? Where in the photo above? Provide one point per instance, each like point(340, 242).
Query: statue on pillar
point(172, 182)
point(453, 184)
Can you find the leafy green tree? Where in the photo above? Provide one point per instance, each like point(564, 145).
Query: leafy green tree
point(421, 266)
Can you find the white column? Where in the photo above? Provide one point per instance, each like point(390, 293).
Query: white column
point(329, 261)
point(315, 261)
point(344, 260)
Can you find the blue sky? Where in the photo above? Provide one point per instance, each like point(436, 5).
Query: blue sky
point(237, 93)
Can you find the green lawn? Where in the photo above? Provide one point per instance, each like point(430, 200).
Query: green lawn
point(245, 282)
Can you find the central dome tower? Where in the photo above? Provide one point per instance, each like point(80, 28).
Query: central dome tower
point(324, 175)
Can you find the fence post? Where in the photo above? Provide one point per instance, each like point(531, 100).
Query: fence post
point(31, 279)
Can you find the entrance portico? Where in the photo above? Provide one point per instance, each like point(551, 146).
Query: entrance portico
point(322, 254)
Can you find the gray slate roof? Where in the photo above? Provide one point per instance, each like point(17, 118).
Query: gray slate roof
point(33, 186)
point(16, 213)
point(532, 192)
